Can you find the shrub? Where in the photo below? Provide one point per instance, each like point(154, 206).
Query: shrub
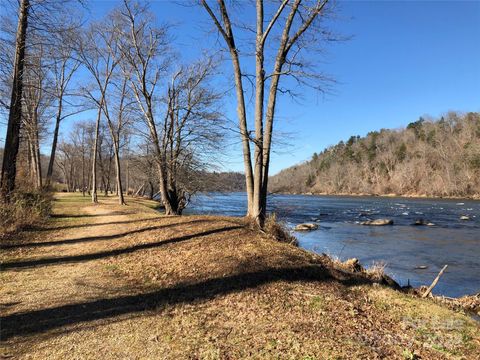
point(278, 230)
point(24, 210)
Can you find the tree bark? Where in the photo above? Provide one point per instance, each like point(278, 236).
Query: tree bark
point(121, 199)
point(94, 156)
point(227, 34)
point(38, 165)
point(54, 143)
point(258, 212)
point(12, 140)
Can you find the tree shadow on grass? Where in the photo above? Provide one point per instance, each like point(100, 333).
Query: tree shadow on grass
point(115, 252)
point(94, 238)
point(38, 228)
point(67, 216)
point(40, 321)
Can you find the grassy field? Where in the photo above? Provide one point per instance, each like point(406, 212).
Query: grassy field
point(112, 282)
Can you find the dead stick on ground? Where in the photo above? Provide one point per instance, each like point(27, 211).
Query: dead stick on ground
point(430, 288)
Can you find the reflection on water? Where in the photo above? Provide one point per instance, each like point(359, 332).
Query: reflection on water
point(402, 247)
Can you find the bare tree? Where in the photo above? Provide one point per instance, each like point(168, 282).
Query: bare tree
point(98, 53)
point(188, 126)
point(116, 127)
point(141, 49)
point(190, 131)
point(36, 103)
point(80, 138)
point(64, 66)
point(12, 140)
point(287, 28)
point(41, 16)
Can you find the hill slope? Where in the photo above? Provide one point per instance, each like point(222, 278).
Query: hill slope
point(430, 157)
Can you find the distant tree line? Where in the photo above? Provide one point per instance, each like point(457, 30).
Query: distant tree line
point(431, 157)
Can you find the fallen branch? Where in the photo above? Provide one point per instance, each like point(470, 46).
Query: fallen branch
point(139, 189)
point(430, 288)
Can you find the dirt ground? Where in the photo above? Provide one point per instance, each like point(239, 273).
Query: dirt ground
point(123, 282)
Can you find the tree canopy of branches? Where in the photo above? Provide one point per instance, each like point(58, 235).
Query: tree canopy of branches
point(181, 116)
point(288, 29)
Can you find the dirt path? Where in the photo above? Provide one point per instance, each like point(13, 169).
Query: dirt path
point(126, 283)
point(38, 287)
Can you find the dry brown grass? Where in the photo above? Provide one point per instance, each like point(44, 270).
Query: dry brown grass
point(127, 283)
point(26, 209)
point(278, 231)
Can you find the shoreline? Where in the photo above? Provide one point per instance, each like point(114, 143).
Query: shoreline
point(386, 196)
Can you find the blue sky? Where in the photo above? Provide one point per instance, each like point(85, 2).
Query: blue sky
point(405, 59)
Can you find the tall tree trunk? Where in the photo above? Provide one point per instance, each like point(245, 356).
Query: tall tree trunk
point(241, 113)
point(151, 190)
point(12, 140)
point(54, 143)
point(160, 161)
point(258, 212)
point(127, 174)
point(83, 162)
point(31, 159)
point(38, 165)
point(227, 33)
point(121, 199)
point(94, 156)
point(270, 113)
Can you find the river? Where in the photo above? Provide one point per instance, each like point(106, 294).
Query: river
point(402, 247)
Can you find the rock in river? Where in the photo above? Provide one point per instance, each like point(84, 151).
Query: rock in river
point(306, 227)
point(377, 222)
point(421, 267)
point(420, 222)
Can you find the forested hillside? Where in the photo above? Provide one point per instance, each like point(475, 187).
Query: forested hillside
point(432, 157)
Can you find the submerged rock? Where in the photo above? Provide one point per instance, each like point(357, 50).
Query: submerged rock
point(306, 227)
point(421, 222)
point(377, 222)
point(421, 267)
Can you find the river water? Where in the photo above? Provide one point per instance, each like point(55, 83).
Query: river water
point(403, 248)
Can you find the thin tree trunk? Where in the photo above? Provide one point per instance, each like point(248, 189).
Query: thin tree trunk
point(258, 212)
point(31, 158)
point(38, 165)
point(12, 140)
point(116, 142)
point(243, 131)
point(127, 175)
point(121, 199)
point(83, 162)
point(162, 183)
point(272, 99)
point(94, 160)
point(54, 143)
point(151, 190)
point(227, 33)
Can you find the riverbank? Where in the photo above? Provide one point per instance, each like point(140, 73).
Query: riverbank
point(475, 197)
point(126, 281)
